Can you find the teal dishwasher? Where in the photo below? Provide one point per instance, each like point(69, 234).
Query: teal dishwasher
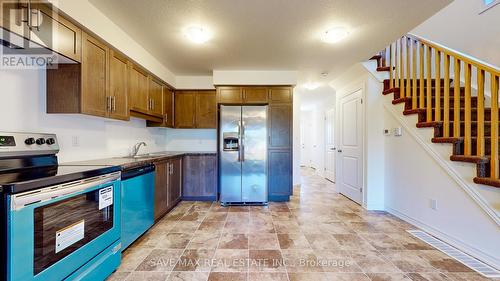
point(137, 193)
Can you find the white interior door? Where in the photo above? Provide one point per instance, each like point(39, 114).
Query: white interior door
point(350, 149)
point(330, 145)
point(305, 136)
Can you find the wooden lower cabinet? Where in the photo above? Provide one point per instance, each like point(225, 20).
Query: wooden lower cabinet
point(199, 180)
point(280, 175)
point(168, 185)
point(175, 182)
point(161, 188)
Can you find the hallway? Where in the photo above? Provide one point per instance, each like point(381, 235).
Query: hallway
point(319, 235)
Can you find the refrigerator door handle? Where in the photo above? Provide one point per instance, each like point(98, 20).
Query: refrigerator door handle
point(242, 142)
point(239, 141)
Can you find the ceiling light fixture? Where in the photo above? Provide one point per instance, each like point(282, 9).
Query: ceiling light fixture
point(197, 34)
point(311, 86)
point(335, 35)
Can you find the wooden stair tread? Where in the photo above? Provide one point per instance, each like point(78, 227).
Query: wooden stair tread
point(487, 181)
point(470, 159)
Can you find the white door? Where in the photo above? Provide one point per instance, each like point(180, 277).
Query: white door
point(305, 136)
point(330, 145)
point(350, 148)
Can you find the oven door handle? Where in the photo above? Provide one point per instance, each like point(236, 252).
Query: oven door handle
point(19, 201)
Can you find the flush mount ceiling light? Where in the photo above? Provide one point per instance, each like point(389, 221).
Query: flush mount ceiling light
point(335, 35)
point(197, 34)
point(311, 86)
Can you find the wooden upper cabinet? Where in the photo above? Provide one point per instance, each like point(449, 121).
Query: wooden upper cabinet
point(94, 77)
point(185, 106)
point(280, 126)
point(156, 97)
point(206, 109)
point(255, 94)
point(56, 33)
point(138, 89)
point(168, 106)
point(11, 17)
point(230, 95)
point(281, 95)
point(118, 86)
point(53, 31)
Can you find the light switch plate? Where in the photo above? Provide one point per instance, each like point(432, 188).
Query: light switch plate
point(398, 131)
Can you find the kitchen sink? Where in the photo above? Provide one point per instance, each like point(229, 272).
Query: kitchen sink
point(142, 156)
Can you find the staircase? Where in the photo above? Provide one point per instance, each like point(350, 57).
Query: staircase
point(426, 77)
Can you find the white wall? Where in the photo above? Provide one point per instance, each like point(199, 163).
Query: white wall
point(194, 82)
point(460, 26)
point(296, 138)
point(413, 178)
point(23, 108)
point(191, 139)
point(251, 77)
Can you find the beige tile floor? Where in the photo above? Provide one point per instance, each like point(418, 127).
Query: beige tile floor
point(318, 235)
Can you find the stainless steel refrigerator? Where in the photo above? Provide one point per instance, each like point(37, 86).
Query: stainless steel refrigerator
point(243, 154)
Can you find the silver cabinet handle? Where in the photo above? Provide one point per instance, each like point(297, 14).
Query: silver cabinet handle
point(108, 103)
point(339, 151)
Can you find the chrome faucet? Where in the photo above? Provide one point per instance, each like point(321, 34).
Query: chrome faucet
point(136, 148)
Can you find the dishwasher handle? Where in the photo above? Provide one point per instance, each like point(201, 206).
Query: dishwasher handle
point(138, 171)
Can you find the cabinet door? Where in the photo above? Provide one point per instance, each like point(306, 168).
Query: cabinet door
point(138, 87)
point(161, 189)
point(94, 99)
point(280, 126)
point(185, 109)
point(255, 94)
point(280, 173)
point(230, 95)
point(175, 182)
point(280, 95)
point(55, 32)
point(168, 107)
point(118, 86)
point(199, 177)
point(156, 97)
point(206, 109)
point(11, 18)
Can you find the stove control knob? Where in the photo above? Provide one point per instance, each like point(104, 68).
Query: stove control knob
point(40, 141)
point(29, 141)
point(50, 141)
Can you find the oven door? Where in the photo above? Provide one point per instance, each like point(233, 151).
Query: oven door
point(54, 231)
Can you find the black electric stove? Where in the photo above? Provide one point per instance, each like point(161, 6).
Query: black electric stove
point(28, 162)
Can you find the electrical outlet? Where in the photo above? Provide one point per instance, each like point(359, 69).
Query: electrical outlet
point(75, 141)
point(434, 204)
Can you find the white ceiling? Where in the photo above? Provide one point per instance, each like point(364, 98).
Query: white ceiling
point(266, 34)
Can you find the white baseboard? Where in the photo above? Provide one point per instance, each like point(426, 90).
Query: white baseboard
point(377, 206)
point(457, 243)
